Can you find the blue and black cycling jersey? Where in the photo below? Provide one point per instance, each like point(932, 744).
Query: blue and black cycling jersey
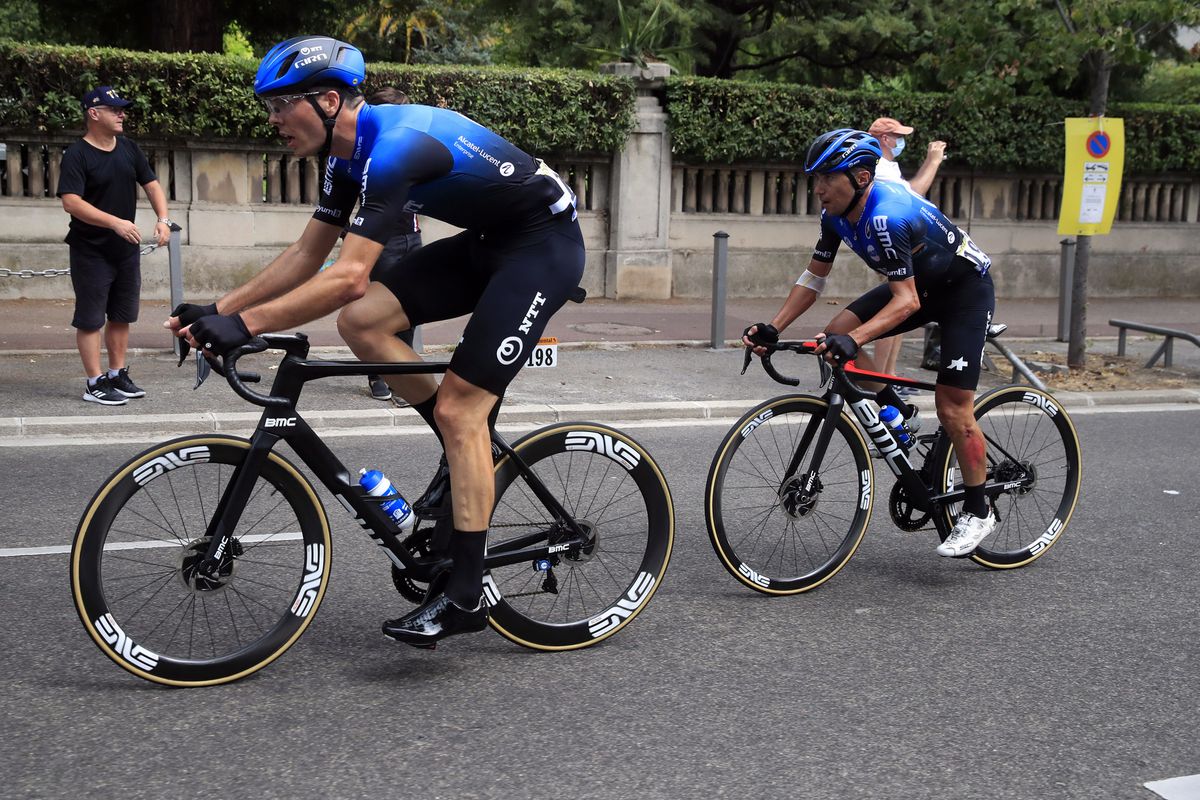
point(902, 235)
point(438, 163)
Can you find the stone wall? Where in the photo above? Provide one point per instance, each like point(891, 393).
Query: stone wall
point(648, 222)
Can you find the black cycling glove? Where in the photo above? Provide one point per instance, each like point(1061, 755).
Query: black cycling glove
point(766, 333)
point(841, 346)
point(218, 334)
point(190, 312)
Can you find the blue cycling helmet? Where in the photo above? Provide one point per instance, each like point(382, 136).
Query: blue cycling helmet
point(842, 149)
point(306, 61)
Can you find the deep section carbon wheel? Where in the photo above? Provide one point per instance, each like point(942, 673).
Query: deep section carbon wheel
point(134, 564)
point(1033, 453)
point(777, 524)
point(579, 594)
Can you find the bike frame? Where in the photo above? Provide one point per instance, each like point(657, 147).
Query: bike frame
point(843, 391)
point(281, 421)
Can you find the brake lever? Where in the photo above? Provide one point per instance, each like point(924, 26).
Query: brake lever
point(826, 371)
point(184, 348)
point(203, 368)
point(746, 360)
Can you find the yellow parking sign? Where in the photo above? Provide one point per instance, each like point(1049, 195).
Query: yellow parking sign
point(1092, 180)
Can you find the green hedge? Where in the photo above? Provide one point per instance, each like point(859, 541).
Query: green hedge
point(714, 121)
point(188, 95)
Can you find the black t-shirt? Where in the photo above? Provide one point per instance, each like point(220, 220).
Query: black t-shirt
point(109, 181)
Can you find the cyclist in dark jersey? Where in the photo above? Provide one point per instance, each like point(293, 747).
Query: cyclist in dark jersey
point(515, 264)
point(934, 272)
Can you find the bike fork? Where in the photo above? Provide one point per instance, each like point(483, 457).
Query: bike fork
point(233, 500)
point(823, 430)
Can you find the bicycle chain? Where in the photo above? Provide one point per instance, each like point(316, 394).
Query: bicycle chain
point(30, 273)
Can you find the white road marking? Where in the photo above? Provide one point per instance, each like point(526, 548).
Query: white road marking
point(1183, 788)
point(60, 550)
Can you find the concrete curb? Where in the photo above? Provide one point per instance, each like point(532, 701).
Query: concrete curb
point(14, 429)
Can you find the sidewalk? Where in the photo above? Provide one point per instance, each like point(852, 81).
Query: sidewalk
point(618, 361)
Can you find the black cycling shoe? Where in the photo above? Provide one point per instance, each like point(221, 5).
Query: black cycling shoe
point(435, 502)
point(436, 618)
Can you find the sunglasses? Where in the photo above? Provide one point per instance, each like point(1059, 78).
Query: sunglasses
point(280, 103)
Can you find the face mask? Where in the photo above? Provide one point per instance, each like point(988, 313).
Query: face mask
point(898, 147)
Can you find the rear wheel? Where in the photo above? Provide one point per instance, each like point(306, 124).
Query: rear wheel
point(615, 491)
point(134, 559)
point(1033, 453)
point(773, 529)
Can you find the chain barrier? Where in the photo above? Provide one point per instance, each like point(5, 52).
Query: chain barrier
point(33, 273)
point(55, 273)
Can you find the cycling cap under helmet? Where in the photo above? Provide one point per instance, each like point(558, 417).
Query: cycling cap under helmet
point(842, 149)
point(307, 61)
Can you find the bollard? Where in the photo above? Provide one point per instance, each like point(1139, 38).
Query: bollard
point(1066, 274)
point(175, 265)
point(417, 344)
point(720, 268)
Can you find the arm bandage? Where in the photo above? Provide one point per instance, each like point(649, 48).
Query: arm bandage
point(811, 281)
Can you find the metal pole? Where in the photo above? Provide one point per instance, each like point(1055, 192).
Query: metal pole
point(175, 261)
point(720, 268)
point(1066, 277)
point(417, 344)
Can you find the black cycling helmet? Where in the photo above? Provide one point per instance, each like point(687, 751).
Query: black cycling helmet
point(304, 62)
point(843, 150)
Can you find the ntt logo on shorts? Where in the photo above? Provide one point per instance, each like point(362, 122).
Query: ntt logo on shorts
point(509, 350)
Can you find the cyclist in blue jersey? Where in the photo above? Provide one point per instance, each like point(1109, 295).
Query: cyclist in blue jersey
point(934, 272)
point(519, 258)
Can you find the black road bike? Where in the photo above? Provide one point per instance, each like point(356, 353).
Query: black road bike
point(792, 486)
point(203, 559)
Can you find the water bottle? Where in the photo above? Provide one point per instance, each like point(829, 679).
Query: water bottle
point(893, 419)
point(377, 485)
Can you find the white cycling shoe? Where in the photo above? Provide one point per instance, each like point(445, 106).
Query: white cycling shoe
point(968, 532)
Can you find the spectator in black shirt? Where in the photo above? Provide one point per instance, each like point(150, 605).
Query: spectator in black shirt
point(98, 187)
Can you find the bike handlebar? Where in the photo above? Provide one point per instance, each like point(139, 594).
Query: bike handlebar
point(238, 380)
point(293, 344)
point(802, 347)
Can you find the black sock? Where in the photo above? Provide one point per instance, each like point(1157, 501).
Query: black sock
point(425, 409)
point(888, 397)
point(974, 501)
point(465, 586)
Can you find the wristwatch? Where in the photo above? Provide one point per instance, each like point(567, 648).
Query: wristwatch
point(165, 220)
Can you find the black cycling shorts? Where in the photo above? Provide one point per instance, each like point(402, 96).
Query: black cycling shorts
point(105, 286)
point(510, 283)
point(963, 309)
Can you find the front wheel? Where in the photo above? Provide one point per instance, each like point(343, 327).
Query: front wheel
point(779, 523)
point(1033, 459)
point(134, 558)
point(615, 491)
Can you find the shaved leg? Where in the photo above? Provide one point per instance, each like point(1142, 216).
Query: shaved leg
point(369, 326)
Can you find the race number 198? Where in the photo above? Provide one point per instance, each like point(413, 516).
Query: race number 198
point(544, 354)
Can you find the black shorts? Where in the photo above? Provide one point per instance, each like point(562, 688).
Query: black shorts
point(105, 286)
point(394, 250)
point(510, 283)
point(963, 309)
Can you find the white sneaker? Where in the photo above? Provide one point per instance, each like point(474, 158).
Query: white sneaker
point(913, 419)
point(968, 532)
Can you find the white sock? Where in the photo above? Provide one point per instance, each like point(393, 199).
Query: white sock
point(92, 381)
point(112, 373)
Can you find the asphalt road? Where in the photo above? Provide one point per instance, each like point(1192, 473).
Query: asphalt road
point(906, 676)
